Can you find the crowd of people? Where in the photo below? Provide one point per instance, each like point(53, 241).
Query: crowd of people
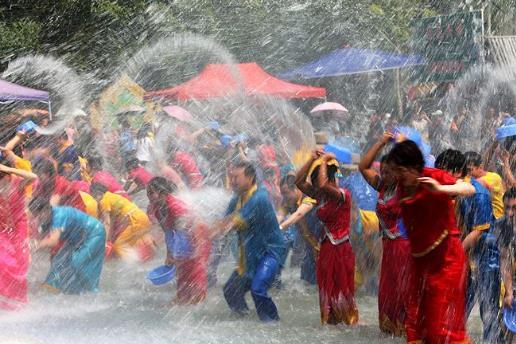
point(446, 228)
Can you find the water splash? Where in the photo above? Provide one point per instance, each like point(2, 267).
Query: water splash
point(69, 91)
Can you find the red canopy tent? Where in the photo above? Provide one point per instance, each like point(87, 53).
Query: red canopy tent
point(217, 80)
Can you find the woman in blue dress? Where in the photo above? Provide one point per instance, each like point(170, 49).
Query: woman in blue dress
point(77, 265)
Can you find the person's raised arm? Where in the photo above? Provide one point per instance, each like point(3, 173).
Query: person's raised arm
point(9, 155)
point(302, 175)
point(15, 141)
point(489, 155)
point(28, 177)
point(328, 189)
point(509, 179)
point(371, 175)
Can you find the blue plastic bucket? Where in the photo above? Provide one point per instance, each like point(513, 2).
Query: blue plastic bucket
point(178, 244)
point(509, 317)
point(162, 274)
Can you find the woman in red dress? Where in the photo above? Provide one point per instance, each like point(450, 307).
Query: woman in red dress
point(396, 247)
point(437, 273)
point(175, 219)
point(336, 260)
point(14, 231)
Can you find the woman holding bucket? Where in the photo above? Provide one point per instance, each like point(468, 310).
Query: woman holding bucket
point(188, 246)
point(336, 260)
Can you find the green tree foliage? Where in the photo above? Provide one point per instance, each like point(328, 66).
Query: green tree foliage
point(91, 34)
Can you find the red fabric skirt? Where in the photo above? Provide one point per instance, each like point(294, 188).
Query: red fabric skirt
point(336, 280)
point(393, 285)
point(192, 280)
point(436, 295)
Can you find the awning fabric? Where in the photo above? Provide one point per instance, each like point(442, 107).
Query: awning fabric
point(221, 80)
point(348, 61)
point(10, 91)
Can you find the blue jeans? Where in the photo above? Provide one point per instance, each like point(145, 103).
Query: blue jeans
point(484, 285)
point(237, 286)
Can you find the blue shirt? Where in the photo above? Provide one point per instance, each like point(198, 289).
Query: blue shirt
point(76, 226)
point(259, 233)
point(475, 212)
point(127, 143)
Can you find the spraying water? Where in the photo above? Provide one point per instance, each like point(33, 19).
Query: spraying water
point(129, 309)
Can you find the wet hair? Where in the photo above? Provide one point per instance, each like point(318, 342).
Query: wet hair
point(407, 154)
point(4, 161)
point(453, 161)
point(161, 186)
point(249, 169)
point(97, 187)
point(289, 181)
point(143, 131)
point(509, 194)
point(124, 123)
point(385, 159)
point(95, 163)
point(39, 204)
point(473, 158)
point(331, 170)
point(44, 166)
point(132, 164)
point(63, 136)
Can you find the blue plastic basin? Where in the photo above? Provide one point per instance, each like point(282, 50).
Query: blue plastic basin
point(162, 274)
point(509, 317)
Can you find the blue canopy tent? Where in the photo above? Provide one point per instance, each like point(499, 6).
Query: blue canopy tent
point(349, 61)
point(352, 61)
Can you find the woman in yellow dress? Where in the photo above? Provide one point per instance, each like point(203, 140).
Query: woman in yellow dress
point(127, 226)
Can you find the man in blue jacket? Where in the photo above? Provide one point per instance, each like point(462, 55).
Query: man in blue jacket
point(260, 243)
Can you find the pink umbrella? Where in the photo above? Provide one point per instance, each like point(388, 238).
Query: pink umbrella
point(178, 113)
point(329, 106)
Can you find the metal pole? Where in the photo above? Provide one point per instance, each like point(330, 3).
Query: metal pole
point(488, 7)
point(49, 110)
point(397, 74)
